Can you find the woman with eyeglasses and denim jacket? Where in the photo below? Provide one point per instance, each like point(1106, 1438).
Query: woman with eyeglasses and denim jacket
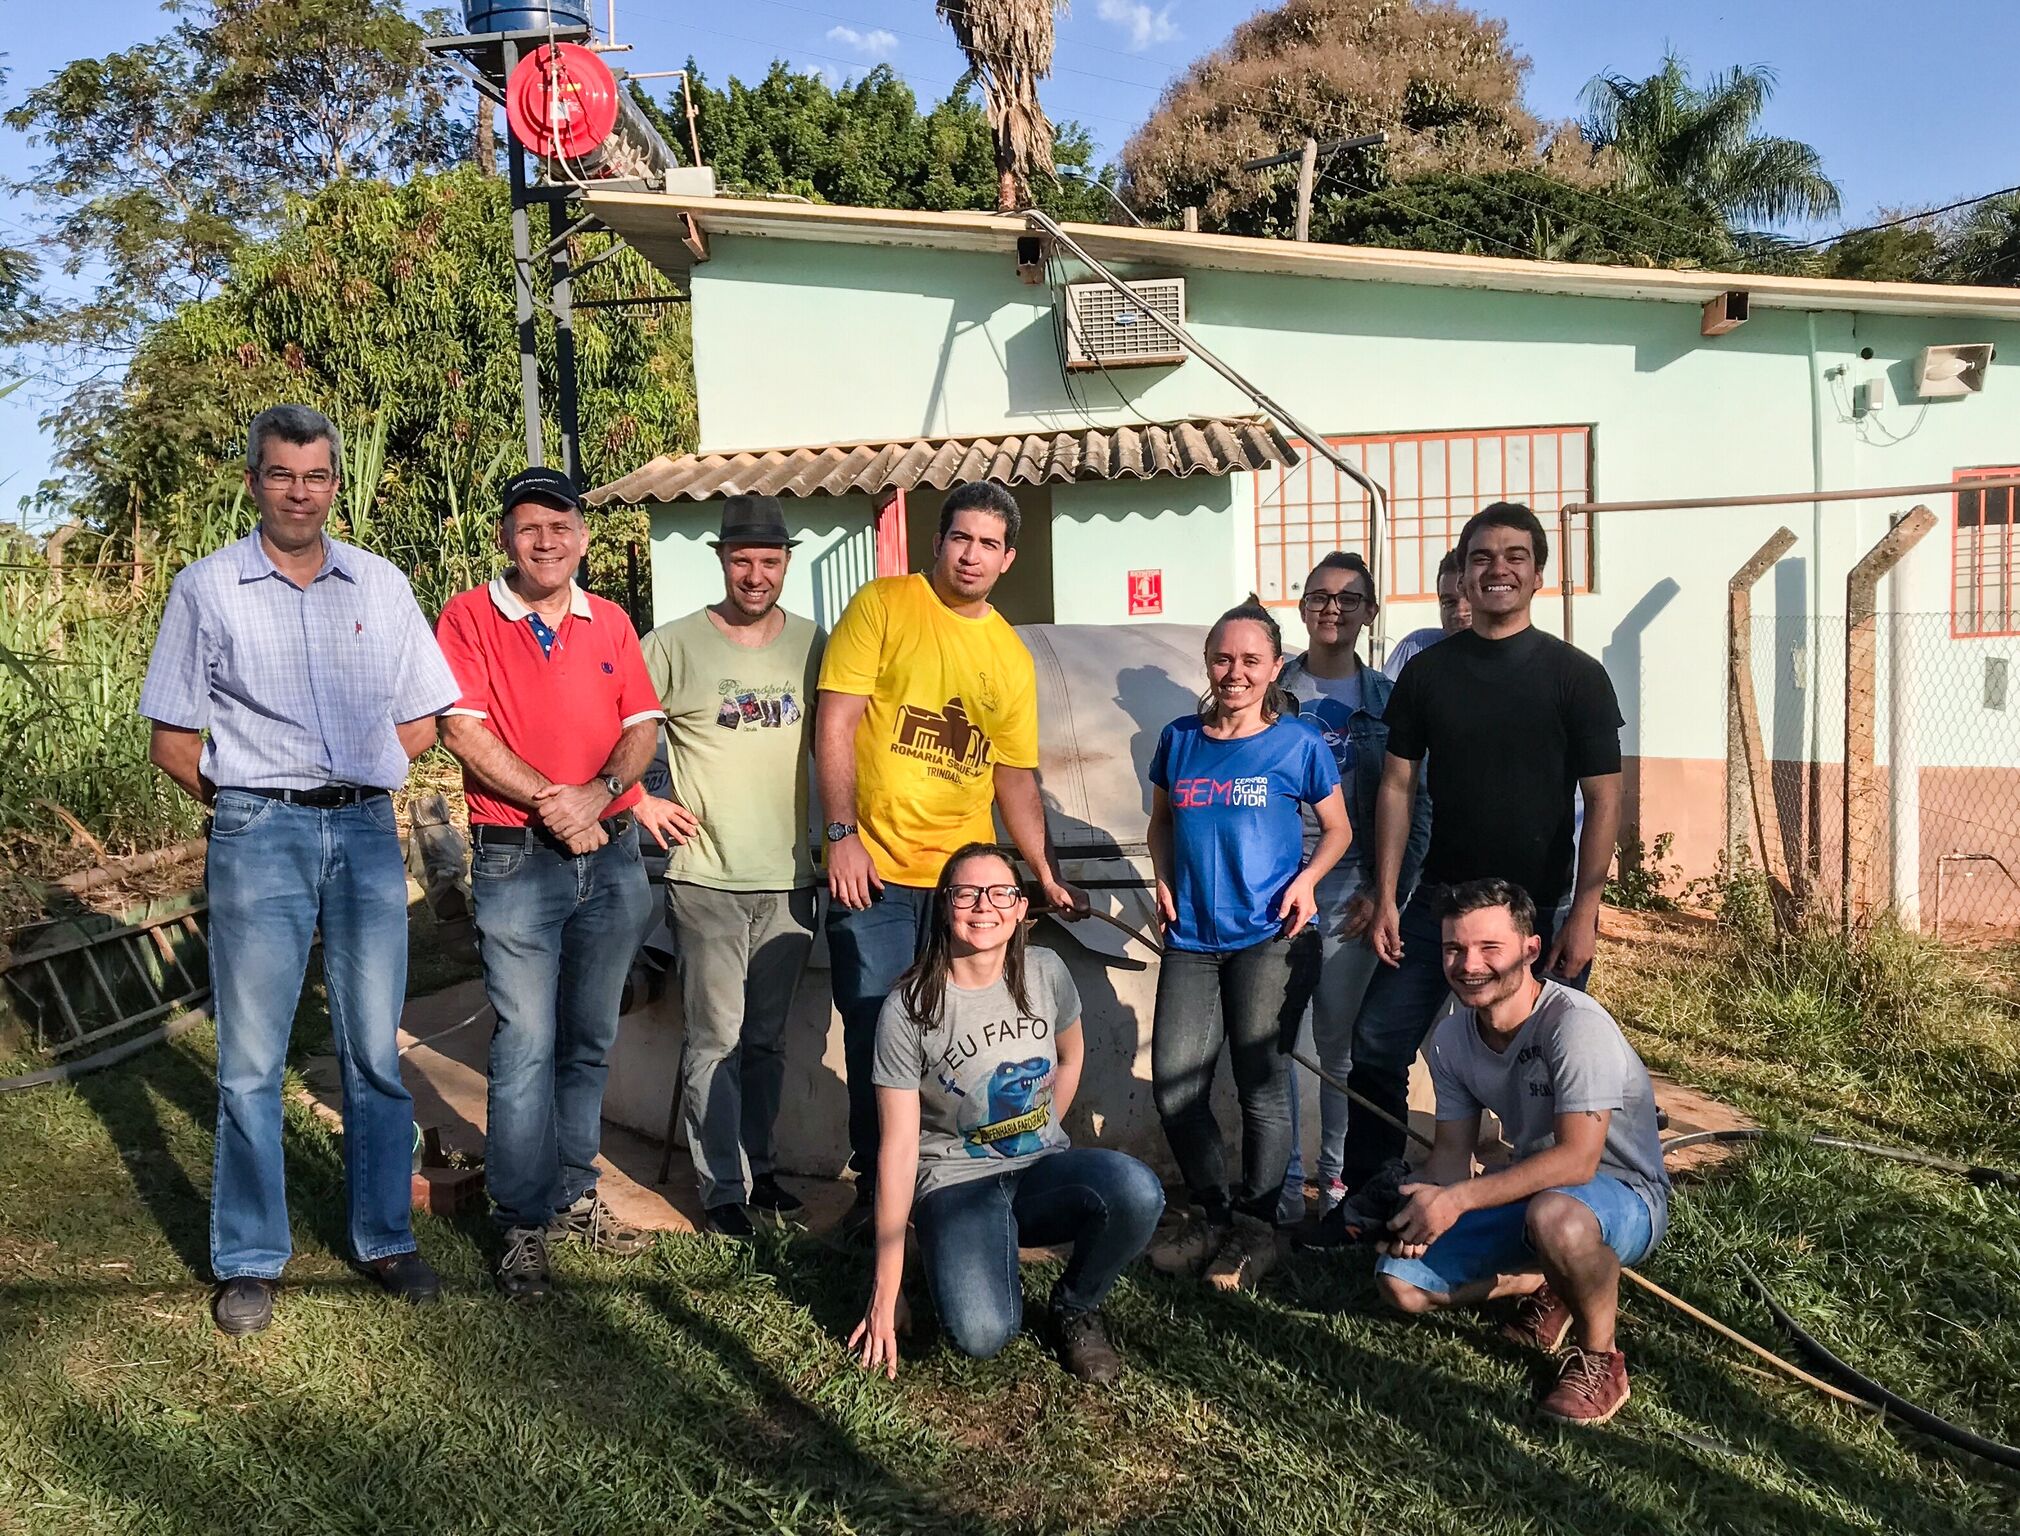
point(978, 1057)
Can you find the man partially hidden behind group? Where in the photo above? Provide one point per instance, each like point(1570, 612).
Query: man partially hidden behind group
point(737, 681)
point(310, 667)
point(554, 722)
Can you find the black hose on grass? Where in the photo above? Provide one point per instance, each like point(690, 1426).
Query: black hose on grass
point(1974, 1172)
point(1864, 1385)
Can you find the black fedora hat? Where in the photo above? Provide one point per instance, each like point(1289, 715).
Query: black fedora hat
point(753, 520)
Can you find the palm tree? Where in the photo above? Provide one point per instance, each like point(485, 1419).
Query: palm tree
point(1009, 48)
point(1699, 140)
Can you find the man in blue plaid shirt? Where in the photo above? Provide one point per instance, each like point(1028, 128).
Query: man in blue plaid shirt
point(317, 679)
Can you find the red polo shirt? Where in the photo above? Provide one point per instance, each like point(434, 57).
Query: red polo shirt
point(560, 710)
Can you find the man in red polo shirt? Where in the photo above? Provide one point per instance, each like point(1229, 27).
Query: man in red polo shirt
point(555, 723)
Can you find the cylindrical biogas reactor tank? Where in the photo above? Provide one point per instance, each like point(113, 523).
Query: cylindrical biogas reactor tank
point(523, 15)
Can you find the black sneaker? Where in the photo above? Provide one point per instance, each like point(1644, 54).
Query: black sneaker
point(766, 1194)
point(522, 1269)
point(1085, 1349)
point(407, 1276)
point(729, 1221)
point(241, 1305)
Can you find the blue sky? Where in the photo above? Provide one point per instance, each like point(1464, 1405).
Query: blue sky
point(1884, 91)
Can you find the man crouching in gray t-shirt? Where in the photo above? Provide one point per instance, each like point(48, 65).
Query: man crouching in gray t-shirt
point(1586, 1192)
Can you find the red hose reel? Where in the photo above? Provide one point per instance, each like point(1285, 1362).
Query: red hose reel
point(561, 102)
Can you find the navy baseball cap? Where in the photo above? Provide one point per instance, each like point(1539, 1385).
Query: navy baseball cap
point(542, 484)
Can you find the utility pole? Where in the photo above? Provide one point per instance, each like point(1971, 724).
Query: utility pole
point(1307, 158)
point(1308, 173)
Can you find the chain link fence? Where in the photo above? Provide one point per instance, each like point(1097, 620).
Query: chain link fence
point(1923, 824)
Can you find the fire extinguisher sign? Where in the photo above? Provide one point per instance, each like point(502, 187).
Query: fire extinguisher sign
point(1146, 593)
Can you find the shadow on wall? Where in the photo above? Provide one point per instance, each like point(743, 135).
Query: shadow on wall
point(1622, 658)
point(849, 558)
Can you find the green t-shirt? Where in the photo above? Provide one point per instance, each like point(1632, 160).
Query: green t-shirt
point(738, 739)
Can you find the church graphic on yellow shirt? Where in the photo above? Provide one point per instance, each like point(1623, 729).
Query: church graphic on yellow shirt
point(946, 740)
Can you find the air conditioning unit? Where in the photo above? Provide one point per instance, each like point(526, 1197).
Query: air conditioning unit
point(1105, 330)
point(1945, 373)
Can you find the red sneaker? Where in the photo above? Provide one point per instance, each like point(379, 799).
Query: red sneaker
point(1539, 1320)
point(1591, 1385)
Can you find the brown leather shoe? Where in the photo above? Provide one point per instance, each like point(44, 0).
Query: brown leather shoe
point(1591, 1385)
point(1539, 1321)
point(241, 1305)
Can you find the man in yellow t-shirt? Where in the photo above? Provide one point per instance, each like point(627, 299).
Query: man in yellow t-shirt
point(928, 717)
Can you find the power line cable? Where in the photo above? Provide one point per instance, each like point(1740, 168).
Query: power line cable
point(1910, 218)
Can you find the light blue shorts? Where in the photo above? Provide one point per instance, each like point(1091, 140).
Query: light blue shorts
point(1494, 1241)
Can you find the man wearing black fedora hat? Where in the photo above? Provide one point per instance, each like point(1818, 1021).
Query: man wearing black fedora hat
point(737, 681)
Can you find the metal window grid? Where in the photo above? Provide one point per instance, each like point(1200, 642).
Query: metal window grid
point(1436, 480)
point(1984, 557)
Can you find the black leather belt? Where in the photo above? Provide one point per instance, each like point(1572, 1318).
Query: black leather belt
point(483, 835)
point(323, 798)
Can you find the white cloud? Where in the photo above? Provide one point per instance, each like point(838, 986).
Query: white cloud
point(824, 73)
point(1143, 25)
point(877, 44)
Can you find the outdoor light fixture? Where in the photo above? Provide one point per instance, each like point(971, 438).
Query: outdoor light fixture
point(1948, 373)
point(1725, 312)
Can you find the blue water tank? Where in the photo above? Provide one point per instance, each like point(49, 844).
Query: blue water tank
point(523, 15)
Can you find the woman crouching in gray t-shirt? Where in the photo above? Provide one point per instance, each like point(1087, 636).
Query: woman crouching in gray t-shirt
point(978, 1056)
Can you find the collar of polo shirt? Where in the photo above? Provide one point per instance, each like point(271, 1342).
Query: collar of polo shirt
point(507, 602)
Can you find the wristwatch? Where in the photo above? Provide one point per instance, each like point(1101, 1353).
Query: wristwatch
point(614, 784)
point(837, 830)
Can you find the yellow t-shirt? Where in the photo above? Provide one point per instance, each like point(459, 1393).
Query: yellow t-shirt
point(950, 698)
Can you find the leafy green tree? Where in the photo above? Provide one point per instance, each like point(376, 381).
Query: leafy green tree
point(865, 143)
point(1983, 246)
point(389, 307)
point(1524, 214)
point(1445, 85)
point(1907, 253)
point(1702, 141)
point(160, 160)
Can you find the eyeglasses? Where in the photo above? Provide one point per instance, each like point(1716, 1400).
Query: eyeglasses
point(1346, 602)
point(968, 898)
point(276, 479)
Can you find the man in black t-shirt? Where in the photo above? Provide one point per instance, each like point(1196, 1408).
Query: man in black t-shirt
point(1514, 721)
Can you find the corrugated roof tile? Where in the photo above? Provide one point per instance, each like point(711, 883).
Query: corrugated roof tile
point(1209, 447)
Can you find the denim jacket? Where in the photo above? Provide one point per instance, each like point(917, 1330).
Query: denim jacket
point(1370, 736)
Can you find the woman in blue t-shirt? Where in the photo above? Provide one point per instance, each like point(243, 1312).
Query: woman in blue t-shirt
point(1235, 898)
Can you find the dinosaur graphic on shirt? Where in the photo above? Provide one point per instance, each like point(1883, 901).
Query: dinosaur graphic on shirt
point(1019, 1106)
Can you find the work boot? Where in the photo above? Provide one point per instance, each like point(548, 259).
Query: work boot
point(1590, 1387)
point(1187, 1247)
point(1247, 1253)
point(596, 1227)
point(241, 1305)
point(767, 1196)
point(1539, 1320)
point(405, 1275)
point(522, 1270)
point(1081, 1339)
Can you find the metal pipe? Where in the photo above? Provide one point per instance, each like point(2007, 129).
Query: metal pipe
point(1378, 498)
point(522, 287)
point(1799, 498)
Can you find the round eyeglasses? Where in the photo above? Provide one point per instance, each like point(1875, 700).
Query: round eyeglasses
point(969, 897)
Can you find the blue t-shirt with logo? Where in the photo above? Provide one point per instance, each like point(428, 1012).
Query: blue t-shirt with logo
point(1237, 825)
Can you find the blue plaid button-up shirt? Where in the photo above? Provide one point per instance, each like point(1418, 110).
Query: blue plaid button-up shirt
point(298, 686)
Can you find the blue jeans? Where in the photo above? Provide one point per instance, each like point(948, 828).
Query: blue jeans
point(1252, 1001)
point(1104, 1203)
point(868, 951)
point(1495, 1241)
point(1346, 966)
point(1401, 1004)
point(557, 933)
point(275, 872)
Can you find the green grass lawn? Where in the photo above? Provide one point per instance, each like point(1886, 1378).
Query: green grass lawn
point(703, 1386)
